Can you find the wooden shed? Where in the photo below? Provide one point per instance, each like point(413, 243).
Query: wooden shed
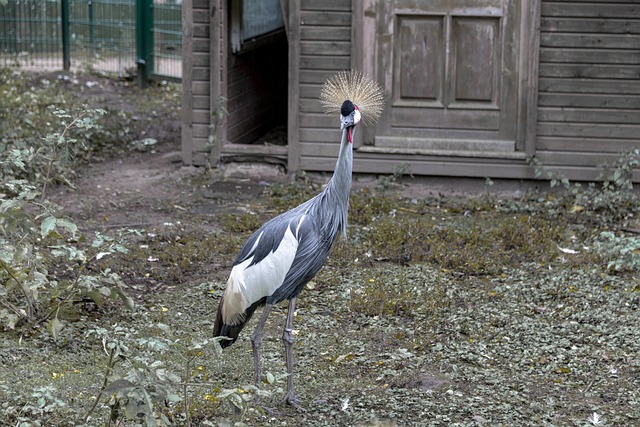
point(472, 87)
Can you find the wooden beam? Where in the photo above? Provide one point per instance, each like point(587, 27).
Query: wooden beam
point(293, 120)
point(218, 74)
point(528, 113)
point(187, 81)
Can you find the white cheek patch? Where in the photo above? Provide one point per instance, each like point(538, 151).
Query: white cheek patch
point(357, 116)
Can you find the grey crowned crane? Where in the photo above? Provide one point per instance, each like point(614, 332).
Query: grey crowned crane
point(286, 252)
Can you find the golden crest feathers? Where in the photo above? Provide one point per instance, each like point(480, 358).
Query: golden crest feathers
point(357, 87)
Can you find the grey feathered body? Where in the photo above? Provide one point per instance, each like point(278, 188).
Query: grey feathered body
point(325, 216)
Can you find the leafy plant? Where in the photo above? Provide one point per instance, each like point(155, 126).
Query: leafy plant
point(387, 181)
point(611, 200)
point(34, 237)
point(39, 408)
point(621, 252)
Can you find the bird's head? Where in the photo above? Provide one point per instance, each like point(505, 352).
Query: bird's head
point(349, 117)
point(364, 99)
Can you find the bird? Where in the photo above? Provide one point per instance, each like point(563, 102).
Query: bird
point(285, 253)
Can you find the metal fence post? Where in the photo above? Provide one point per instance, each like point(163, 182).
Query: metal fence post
point(144, 40)
point(66, 42)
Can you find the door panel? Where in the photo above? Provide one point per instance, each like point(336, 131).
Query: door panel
point(421, 53)
point(476, 52)
point(449, 69)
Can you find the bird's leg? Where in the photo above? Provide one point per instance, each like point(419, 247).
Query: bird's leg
point(287, 337)
point(256, 341)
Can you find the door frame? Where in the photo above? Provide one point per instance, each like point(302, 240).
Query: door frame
point(363, 57)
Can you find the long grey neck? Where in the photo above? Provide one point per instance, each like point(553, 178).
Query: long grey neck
point(339, 187)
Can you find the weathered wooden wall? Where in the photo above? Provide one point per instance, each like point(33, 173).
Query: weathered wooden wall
point(589, 81)
point(324, 49)
point(196, 100)
point(582, 89)
point(256, 92)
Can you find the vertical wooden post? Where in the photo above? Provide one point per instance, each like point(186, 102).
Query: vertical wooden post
point(187, 82)
point(293, 121)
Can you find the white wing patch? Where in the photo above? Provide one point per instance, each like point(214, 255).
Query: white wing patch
point(246, 285)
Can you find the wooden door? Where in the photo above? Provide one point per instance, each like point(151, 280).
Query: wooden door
point(450, 72)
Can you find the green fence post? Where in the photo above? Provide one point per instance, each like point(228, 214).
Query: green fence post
point(66, 51)
point(144, 40)
point(91, 33)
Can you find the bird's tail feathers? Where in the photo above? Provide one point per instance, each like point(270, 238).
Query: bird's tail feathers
point(232, 331)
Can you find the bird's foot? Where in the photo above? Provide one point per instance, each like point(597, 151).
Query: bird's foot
point(270, 411)
point(291, 400)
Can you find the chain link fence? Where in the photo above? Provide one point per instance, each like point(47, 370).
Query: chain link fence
point(96, 34)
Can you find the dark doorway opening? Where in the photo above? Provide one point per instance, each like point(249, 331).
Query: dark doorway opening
point(257, 101)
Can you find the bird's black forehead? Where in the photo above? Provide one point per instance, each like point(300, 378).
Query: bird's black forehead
point(347, 108)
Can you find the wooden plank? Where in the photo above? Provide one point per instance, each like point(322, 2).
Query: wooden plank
point(200, 102)
point(595, 10)
point(335, 63)
point(599, 145)
point(592, 130)
point(201, 159)
point(308, 32)
point(589, 100)
point(326, 18)
point(589, 25)
point(200, 88)
point(218, 76)
point(200, 59)
point(202, 145)
point(591, 71)
point(201, 131)
point(587, 159)
point(319, 135)
point(374, 163)
point(255, 149)
point(600, 41)
point(315, 76)
point(201, 31)
point(434, 165)
point(530, 63)
point(592, 86)
point(480, 8)
point(466, 146)
point(407, 117)
point(334, 5)
point(310, 91)
point(312, 105)
point(589, 56)
point(187, 102)
point(325, 48)
point(201, 17)
point(200, 73)
point(201, 45)
point(318, 121)
point(293, 103)
point(581, 115)
point(201, 116)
